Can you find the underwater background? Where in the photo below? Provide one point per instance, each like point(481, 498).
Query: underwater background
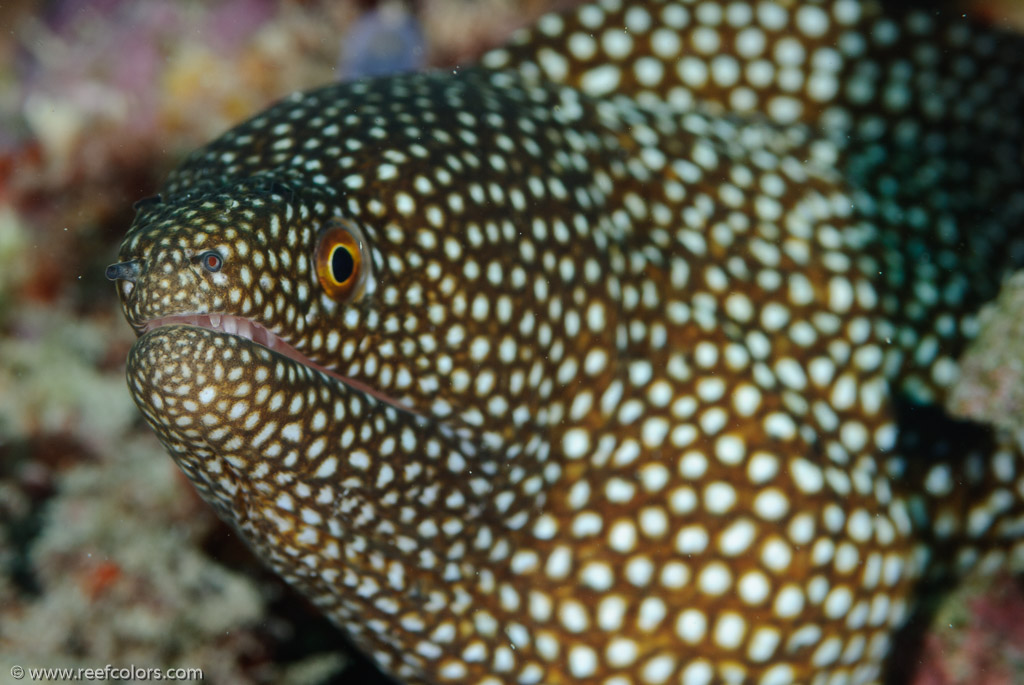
point(107, 555)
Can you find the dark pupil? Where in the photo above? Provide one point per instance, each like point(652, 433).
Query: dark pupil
point(212, 262)
point(342, 264)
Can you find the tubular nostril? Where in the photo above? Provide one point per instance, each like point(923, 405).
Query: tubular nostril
point(124, 271)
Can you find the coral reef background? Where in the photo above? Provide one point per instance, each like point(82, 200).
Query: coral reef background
point(107, 556)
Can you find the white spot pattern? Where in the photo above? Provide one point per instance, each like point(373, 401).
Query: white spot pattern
point(622, 375)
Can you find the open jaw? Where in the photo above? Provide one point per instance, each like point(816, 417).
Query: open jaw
point(263, 336)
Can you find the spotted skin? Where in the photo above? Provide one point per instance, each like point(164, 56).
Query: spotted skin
point(642, 384)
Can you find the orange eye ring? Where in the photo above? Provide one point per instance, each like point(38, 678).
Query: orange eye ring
point(339, 262)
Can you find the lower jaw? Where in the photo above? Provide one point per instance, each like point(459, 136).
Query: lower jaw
point(257, 334)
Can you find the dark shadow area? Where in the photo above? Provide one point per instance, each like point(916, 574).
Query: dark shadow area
point(293, 629)
point(929, 436)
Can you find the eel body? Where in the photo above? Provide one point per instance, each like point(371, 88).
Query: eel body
point(618, 357)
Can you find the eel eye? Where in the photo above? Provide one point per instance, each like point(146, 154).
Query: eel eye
point(211, 261)
point(339, 260)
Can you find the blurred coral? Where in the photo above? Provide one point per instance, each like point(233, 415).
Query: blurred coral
point(977, 636)
point(991, 384)
point(386, 40)
point(107, 555)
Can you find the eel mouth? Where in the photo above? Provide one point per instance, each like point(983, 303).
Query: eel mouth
point(261, 335)
point(243, 328)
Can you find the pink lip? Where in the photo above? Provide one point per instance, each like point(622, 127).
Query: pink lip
point(250, 330)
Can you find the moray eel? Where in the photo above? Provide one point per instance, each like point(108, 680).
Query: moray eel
point(617, 357)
